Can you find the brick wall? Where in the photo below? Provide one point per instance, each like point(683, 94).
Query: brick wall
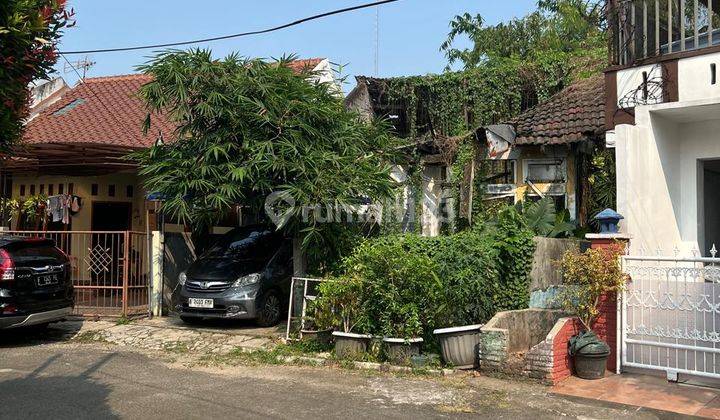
point(606, 325)
point(562, 362)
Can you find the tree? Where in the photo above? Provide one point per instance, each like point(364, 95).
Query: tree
point(560, 28)
point(249, 132)
point(29, 32)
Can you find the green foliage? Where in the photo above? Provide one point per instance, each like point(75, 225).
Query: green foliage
point(401, 289)
point(559, 28)
point(514, 243)
point(29, 31)
point(541, 217)
point(249, 128)
point(602, 181)
point(407, 285)
point(340, 304)
point(587, 277)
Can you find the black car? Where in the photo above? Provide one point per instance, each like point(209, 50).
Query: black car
point(244, 275)
point(35, 283)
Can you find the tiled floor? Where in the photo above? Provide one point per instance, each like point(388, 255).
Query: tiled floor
point(646, 391)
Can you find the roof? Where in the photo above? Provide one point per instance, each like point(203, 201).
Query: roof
point(102, 110)
point(108, 111)
point(306, 64)
point(575, 114)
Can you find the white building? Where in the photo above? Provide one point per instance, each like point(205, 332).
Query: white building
point(663, 113)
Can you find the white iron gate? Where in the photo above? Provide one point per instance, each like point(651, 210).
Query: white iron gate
point(671, 315)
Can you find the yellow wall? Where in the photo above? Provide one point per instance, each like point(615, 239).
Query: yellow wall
point(559, 152)
point(82, 188)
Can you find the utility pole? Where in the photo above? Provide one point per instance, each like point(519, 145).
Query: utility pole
point(377, 41)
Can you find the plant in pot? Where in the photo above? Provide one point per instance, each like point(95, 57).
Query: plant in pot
point(401, 293)
point(339, 305)
point(318, 327)
point(588, 278)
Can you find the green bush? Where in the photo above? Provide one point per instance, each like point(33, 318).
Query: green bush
point(407, 285)
point(401, 289)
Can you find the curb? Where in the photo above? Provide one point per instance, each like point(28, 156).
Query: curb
point(661, 414)
point(380, 367)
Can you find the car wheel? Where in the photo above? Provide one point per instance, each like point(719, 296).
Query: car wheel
point(190, 319)
point(269, 309)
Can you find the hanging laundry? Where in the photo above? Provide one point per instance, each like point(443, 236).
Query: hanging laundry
point(75, 205)
point(54, 208)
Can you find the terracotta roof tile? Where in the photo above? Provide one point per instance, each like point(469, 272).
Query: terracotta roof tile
point(574, 114)
point(103, 110)
point(107, 111)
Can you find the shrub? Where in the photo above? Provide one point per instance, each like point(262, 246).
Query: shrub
point(401, 289)
point(339, 305)
point(587, 277)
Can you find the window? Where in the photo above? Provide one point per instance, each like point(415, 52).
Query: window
point(61, 188)
point(545, 171)
point(71, 188)
point(42, 189)
point(22, 190)
point(499, 177)
point(111, 190)
point(51, 189)
point(129, 191)
point(94, 189)
point(32, 189)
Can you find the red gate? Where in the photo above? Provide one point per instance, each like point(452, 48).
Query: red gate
point(110, 270)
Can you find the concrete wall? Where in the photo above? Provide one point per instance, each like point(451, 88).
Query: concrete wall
point(658, 176)
point(545, 275)
point(694, 77)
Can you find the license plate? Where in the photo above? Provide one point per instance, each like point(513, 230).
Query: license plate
point(200, 303)
point(47, 280)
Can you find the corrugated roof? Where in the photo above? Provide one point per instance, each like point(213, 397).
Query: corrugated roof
point(575, 114)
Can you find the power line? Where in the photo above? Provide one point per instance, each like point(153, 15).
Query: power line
point(242, 34)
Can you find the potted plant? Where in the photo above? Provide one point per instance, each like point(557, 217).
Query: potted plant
point(318, 328)
point(402, 341)
point(588, 277)
point(339, 301)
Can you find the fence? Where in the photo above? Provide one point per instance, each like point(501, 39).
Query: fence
point(671, 315)
point(110, 270)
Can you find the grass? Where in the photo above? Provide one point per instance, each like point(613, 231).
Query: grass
point(123, 320)
point(90, 337)
point(178, 347)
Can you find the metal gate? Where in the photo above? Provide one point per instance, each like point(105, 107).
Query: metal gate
point(110, 270)
point(671, 315)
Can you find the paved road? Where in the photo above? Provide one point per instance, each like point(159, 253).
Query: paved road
point(42, 379)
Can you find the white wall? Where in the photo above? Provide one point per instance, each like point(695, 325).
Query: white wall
point(694, 77)
point(658, 177)
point(629, 80)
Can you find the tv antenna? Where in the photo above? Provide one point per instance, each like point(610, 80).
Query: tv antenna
point(83, 65)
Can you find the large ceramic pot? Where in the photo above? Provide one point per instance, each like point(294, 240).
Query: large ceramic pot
point(400, 350)
point(459, 345)
point(350, 345)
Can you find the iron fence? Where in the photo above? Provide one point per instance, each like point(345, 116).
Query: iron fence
point(109, 270)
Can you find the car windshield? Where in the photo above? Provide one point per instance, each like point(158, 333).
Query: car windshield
point(240, 244)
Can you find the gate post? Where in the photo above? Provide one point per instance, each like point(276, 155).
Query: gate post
point(126, 272)
point(156, 263)
point(608, 326)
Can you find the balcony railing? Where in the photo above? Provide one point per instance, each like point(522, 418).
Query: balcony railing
point(642, 30)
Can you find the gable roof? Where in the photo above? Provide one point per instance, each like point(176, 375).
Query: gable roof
point(108, 111)
point(575, 114)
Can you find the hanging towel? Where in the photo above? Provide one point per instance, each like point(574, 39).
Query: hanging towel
point(55, 207)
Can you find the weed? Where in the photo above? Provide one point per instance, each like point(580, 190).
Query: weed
point(178, 347)
point(90, 337)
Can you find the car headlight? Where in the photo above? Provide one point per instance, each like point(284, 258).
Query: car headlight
point(247, 280)
point(182, 278)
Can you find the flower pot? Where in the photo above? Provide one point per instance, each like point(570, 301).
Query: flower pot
point(321, 337)
point(349, 345)
point(400, 350)
point(459, 345)
point(590, 366)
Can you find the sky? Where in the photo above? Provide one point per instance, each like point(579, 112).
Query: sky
point(410, 31)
